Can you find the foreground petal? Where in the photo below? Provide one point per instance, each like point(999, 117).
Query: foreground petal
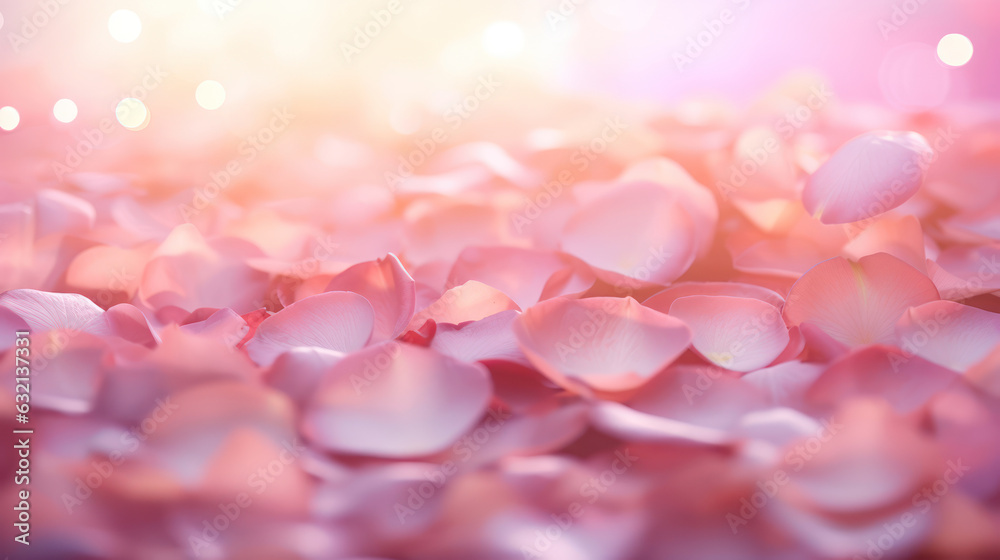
point(882, 372)
point(396, 400)
point(950, 334)
point(339, 321)
point(741, 334)
point(858, 302)
point(44, 311)
point(611, 344)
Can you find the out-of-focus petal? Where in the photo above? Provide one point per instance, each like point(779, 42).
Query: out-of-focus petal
point(637, 232)
point(223, 325)
point(695, 197)
point(950, 334)
point(126, 321)
point(62, 213)
point(881, 372)
point(44, 311)
point(964, 272)
point(629, 424)
point(298, 371)
point(785, 384)
point(523, 274)
point(187, 272)
point(901, 237)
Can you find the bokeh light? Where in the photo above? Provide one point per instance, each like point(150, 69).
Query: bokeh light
point(125, 26)
point(955, 49)
point(65, 110)
point(503, 39)
point(9, 118)
point(210, 95)
point(132, 113)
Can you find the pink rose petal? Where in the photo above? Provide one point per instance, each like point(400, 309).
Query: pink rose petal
point(609, 344)
point(867, 176)
point(396, 400)
point(335, 321)
point(858, 302)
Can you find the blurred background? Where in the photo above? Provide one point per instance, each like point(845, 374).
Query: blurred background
point(173, 88)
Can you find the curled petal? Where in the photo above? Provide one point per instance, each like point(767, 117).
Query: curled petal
point(62, 213)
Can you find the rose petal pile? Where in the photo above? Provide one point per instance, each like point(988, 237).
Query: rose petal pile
point(703, 340)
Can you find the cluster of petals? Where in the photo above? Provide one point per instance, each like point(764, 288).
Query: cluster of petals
point(655, 351)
